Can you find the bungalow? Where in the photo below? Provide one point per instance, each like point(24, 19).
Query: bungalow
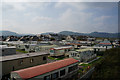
point(21, 61)
point(60, 51)
point(83, 55)
point(59, 70)
point(69, 38)
point(86, 43)
point(105, 44)
point(45, 48)
point(75, 45)
point(5, 50)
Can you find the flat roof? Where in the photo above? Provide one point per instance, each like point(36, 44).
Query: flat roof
point(81, 50)
point(63, 47)
point(42, 69)
point(18, 56)
point(48, 45)
point(5, 46)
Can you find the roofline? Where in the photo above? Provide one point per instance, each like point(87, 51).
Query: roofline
point(1, 60)
point(22, 71)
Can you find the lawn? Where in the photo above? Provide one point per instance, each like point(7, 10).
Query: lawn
point(21, 51)
point(52, 58)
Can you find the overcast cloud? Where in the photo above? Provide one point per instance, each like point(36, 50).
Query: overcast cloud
point(39, 17)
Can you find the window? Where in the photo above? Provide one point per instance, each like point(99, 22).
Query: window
point(55, 75)
point(69, 69)
point(47, 77)
point(44, 58)
point(52, 51)
point(31, 60)
point(75, 54)
point(76, 66)
point(2, 50)
point(62, 72)
point(68, 49)
point(72, 68)
point(13, 68)
point(21, 61)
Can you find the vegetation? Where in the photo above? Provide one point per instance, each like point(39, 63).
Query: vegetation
point(52, 39)
point(60, 58)
point(90, 65)
point(109, 66)
point(21, 51)
point(52, 58)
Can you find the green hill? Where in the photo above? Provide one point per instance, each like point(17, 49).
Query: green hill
point(109, 67)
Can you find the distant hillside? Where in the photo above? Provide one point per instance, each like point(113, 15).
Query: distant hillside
point(103, 34)
point(71, 33)
point(94, 34)
point(48, 33)
point(10, 33)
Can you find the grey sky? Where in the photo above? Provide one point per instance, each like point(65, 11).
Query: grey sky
point(39, 17)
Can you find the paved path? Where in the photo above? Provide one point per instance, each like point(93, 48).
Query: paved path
point(93, 60)
point(90, 61)
point(87, 74)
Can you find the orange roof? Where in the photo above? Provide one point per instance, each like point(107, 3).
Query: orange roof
point(106, 43)
point(41, 69)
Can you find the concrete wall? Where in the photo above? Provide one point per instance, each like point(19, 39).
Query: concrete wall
point(8, 51)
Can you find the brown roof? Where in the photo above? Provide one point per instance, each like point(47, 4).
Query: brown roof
point(105, 43)
point(42, 69)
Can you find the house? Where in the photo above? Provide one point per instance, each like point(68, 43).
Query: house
point(75, 45)
point(30, 47)
point(90, 39)
point(12, 38)
point(21, 61)
point(32, 42)
point(97, 50)
point(69, 38)
point(86, 43)
point(105, 44)
point(45, 48)
point(62, 70)
point(60, 51)
point(41, 46)
point(26, 47)
point(83, 55)
point(21, 46)
point(12, 43)
point(5, 50)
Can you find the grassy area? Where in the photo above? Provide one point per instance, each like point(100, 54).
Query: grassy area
point(21, 51)
point(60, 58)
point(52, 58)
